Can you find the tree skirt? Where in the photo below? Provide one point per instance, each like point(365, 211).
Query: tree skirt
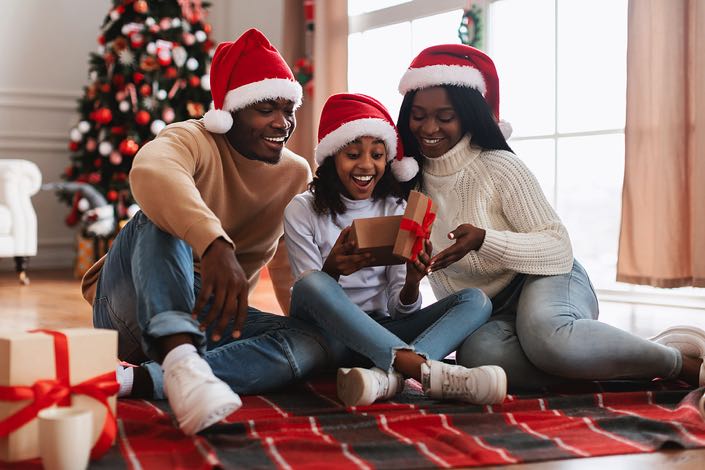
point(305, 426)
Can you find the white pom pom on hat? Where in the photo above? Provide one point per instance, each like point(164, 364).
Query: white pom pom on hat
point(348, 116)
point(458, 65)
point(245, 72)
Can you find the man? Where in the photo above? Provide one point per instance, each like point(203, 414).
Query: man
point(176, 279)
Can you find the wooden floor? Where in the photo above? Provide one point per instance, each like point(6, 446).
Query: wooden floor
point(53, 300)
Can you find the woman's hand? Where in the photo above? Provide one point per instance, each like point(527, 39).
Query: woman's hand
point(415, 271)
point(467, 238)
point(342, 259)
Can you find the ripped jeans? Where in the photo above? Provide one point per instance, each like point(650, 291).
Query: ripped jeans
point(432, 332)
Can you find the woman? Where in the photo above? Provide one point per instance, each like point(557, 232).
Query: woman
point(374, 311)
point(496, 231)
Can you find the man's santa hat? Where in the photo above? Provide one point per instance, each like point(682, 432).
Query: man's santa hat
point(459, 65)
point(245, 72)
point(348, 116)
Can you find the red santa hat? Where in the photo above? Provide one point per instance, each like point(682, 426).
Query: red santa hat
point(245, 72)
point(459, 65)
point(348, 116)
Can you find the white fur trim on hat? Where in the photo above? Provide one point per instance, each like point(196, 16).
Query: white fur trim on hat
point(505, 128)
point(350, 131)
point(267, 89)
point(434, 75)
point(405, 169)
point(218, 121)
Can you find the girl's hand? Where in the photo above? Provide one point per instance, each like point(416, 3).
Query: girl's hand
point(415, 271)
point(342, 259)
point(467, 238)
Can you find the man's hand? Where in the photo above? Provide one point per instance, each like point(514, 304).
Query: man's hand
point(467, 238)
point(342, 259)
point(223, 277)
point(415, 271)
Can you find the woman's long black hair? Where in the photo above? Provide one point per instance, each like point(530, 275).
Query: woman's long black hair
point(475, 116)
point(327, 188)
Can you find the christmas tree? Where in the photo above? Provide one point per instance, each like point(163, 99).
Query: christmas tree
point(150, 69)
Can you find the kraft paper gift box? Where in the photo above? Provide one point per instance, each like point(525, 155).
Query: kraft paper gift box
point(29, 381)
point(376, 235)
point(415, 225)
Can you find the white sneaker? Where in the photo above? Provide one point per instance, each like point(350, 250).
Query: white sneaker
point(196, 396)
point(485, 385)
point(689, 340)
point(362, 387)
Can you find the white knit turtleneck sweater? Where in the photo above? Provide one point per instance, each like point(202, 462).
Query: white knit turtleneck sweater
point(495, 191)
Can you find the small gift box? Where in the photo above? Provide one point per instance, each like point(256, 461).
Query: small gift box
point(88, 251)
point(45, 368)
point(376, 235)
point(415, 226)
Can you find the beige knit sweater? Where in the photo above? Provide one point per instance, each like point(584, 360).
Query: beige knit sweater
point(195, 185)
point(495, 191)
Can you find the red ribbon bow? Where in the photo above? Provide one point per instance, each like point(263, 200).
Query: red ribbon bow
point(421, 231)
point(47, 392)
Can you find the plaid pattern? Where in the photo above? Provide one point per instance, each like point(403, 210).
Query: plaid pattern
point(305, 426)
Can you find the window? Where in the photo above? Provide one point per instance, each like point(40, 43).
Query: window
point(562, 69)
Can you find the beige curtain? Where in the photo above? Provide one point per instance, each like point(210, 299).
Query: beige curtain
point(662, 239)
point(330, 58)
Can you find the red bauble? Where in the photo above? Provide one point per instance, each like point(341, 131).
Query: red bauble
point(164, 59)
point(194, 81)
point(137, 77)
point(145, 89)
point(112, 195)
point(98, 162)
point(170, 72)
point(207, 45)
point(117, 130)
point(142, 118)
point(73, 146)
point(103, 115)
point(101, 40)
point(94, 178)
point(207, 28)
point(128, 147)
point(137, 40)
point(68, 171)
point(141, 6)
point(119, 80)
point(105, 88)
point(120, 177)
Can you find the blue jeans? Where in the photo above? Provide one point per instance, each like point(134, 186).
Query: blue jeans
point(147, 290)
point(432, 332)
point(544, 331)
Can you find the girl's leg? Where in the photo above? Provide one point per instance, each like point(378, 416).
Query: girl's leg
point(558, 330)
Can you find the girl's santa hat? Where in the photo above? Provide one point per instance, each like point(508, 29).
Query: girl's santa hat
point(348, 116)
point(459, 65)
point(245, 72)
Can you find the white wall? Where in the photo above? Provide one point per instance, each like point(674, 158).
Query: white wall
point(44, 49)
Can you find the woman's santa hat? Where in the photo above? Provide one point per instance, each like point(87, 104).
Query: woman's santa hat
point(459, 65)
point(245, 72)
point(349, 116)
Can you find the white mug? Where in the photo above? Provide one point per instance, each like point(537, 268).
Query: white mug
point(65, 437)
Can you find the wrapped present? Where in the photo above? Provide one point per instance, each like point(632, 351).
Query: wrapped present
point(376, 235)
point(88, 251)
point(44, 368)
point(415, 226)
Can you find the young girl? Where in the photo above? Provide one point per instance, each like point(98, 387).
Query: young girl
point(375, 311)
point(496, 231)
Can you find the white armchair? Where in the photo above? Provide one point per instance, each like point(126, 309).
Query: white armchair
point(19, 180)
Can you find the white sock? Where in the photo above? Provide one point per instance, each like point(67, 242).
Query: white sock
point(177, 354)
point(125, 377)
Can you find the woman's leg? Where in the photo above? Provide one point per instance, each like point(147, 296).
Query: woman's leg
point(558, 330)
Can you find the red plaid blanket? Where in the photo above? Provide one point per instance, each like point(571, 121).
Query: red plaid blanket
point(306, 427)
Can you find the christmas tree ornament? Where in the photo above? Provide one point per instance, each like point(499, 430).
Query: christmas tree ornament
point(137, 77)
point(200, 35)
point(179, 55)
point(206, 82)
point(151, 48)
point(132, 210)
point(84, 126)
point(142, 118)
point(124, 106)
point(175, 23)
point(194, 81)
point(149, 22)
point(117, 130)
point(120, 95)
point(195, 110)
point(119, 44)
point(164, 57)
point(170, 72)
point(141, 7)
point(157, 126)
point(189, 39)
point(119, 81)
point(94, 178)
point(162, 95)
point(145, 89)
point(114, 15)
point(105, 88)
point(112, 195)
point(104, 148)
point(115, 158)
point(91, 145)
point(165, 24)
point(148, 102)
point(168, 115)
point(83, 205)
point(97, 163)
point(192, 64)
point(103, 115)
point(149, 64)
point(75, 135)
point(128, 147)
point(136, 40)
point(73, 146)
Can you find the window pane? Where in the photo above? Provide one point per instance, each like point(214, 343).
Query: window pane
point(592, 60)
point(590, 174)
point(436, 29)
point(522, 44)
point(377, 58)
point(357, 7)
point(538, 155)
